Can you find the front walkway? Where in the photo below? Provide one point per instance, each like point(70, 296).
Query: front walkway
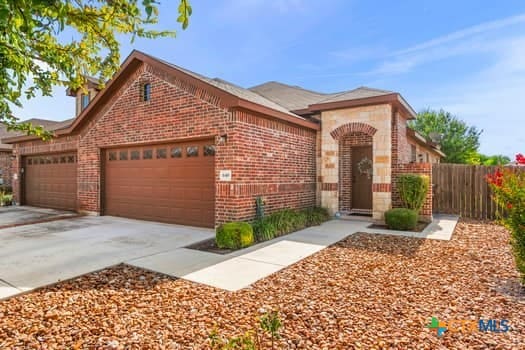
point(240, 269)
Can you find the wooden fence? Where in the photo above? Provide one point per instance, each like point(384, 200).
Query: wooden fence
point(463, 190)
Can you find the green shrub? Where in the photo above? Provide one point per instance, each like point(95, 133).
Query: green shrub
point(264, 230)
point(234, 235)
point(316, 216)
point(287, 220)
point(413, 190)
point(6, 199)
point(401, 219)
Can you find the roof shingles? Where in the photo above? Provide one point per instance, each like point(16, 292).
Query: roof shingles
point(295, 98)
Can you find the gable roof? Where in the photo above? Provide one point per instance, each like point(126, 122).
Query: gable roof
point(274, 99)
point(302, 101)
point(232, 96)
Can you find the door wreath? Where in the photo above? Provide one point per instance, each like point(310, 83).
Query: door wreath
point(365, 167)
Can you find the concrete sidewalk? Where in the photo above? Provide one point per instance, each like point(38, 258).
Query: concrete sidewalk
point(242, 268)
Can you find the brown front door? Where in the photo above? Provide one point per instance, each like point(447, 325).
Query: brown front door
point(362, 179)
point(50, 181)
point(172, 183)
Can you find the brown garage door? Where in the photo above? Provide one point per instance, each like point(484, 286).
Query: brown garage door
point(172, 183)
point(50, 181)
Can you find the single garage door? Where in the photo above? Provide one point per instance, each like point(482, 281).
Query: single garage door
point(172, 183)
point(50, 181)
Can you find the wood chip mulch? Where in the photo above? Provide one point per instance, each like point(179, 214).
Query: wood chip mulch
point(367, 291)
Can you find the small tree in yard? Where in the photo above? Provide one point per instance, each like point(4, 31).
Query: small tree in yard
point(508, 186)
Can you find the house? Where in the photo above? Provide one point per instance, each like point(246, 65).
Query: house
point(163, 143)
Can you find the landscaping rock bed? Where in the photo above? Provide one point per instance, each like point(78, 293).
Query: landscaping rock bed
point(367, 291)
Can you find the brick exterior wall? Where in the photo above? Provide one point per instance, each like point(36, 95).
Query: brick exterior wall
point(400, 145)
point(267, 157)
point(401, 156)
point(345, 165)
point(271, 159)
point(6, 165)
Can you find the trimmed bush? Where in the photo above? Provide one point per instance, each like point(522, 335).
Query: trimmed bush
point(413, 190)
point(401, 219)
point(234, 235)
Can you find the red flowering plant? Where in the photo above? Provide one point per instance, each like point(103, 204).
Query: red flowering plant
point(508, 187)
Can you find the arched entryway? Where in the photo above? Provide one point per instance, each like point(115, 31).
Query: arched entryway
point(355, 167)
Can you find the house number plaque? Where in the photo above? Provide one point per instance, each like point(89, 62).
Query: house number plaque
point(225, 175)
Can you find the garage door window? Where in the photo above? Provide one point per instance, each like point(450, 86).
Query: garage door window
point(176, 152)
point(123, 155)
point(112, 156)
point(162, 153)
point(134, 155)
point(209, 151)
point(147, 154)
point(192, 151)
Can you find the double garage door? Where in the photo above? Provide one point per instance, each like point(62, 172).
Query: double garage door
point(50, 181)
point(172, 183)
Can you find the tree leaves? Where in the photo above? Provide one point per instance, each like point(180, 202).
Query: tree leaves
point(49, 43)
point(460, 141)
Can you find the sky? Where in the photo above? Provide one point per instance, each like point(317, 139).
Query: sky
point(467, 57)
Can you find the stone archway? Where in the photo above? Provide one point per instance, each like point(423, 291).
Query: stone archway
point(355, 142)
point(349, 128)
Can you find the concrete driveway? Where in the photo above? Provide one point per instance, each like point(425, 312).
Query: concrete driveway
point(25, 215)
point(35, 255)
